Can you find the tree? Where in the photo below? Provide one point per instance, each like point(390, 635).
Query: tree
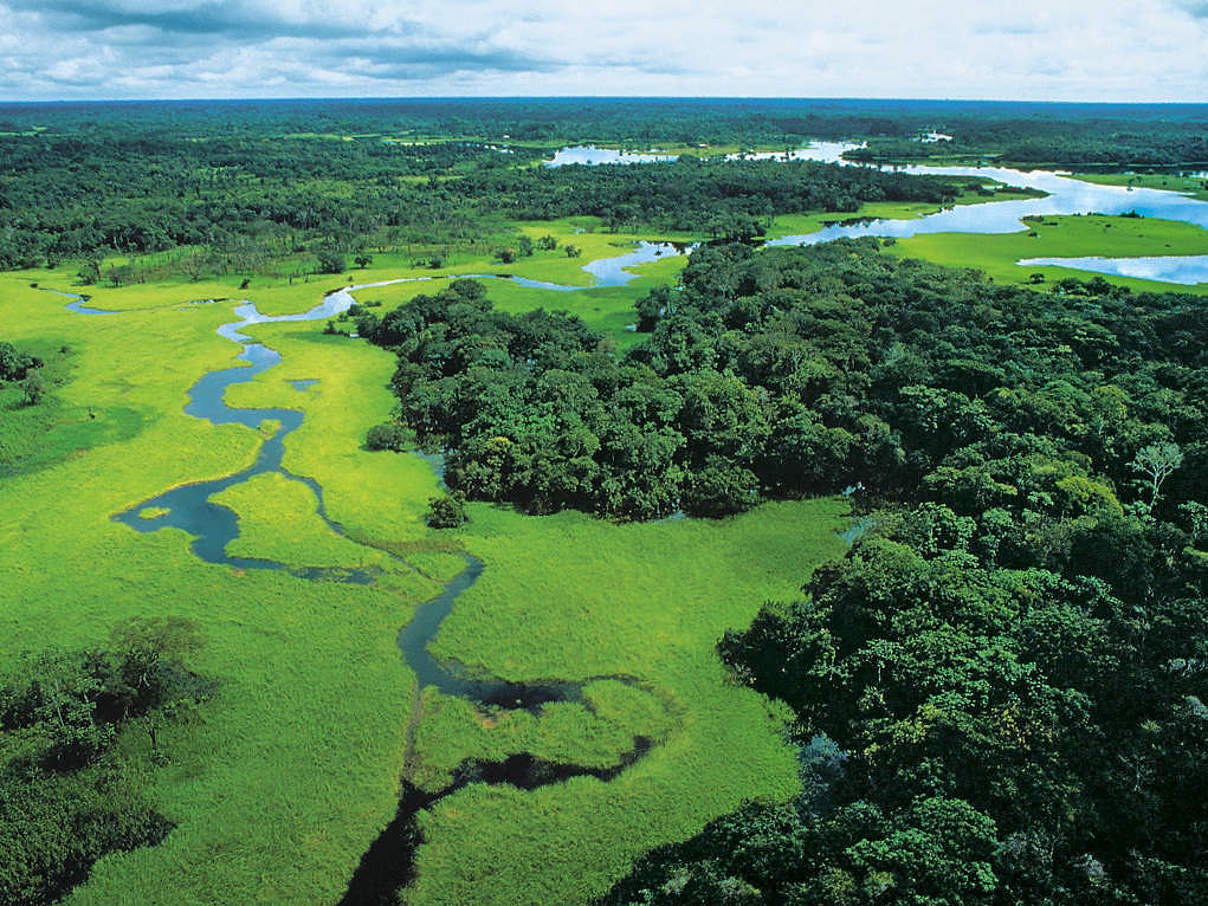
point(387, 436)
point(34, 388)
point(547, 243)
point(363, 261)
point(1157, 462)
point(90, 272)
point(572, 251)
point(14, 364)
point(330, 262)
point(448, 511)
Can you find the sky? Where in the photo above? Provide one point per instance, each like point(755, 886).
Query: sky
point(1042, 50)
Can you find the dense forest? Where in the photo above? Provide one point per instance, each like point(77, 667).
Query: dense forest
point(229, 205)
point(783, 373)
point(252, 187)
point(1000, 691)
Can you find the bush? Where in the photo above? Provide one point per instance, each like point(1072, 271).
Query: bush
point(14, 364)
point(387, 436)
point(331, 262)
point(447, 512)
point(720, 489)
point(34, 387)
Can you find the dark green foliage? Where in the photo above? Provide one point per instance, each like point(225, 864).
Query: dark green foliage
point(387, 436)
point(67, 795)
point(1010, 737)
point(1012, 662)
point(331, 262)
point(783, 373)
point(723, 199)
point(15, 364)
point(53, 827)
point(448, 511)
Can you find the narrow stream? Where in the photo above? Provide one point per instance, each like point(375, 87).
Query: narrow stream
point(388, 864)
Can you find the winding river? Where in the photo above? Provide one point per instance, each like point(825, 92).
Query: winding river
point(1064, 196)
point(388, 864)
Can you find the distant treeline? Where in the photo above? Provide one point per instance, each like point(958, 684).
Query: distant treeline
point(246, 203)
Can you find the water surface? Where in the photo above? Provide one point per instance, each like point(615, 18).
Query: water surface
point(1065, 196)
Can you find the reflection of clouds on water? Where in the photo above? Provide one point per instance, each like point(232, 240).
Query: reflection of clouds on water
point(591, 155)
point(823, 152)
point(1185, 269)
point(1065, 197)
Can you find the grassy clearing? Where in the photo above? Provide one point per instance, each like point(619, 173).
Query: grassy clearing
point(453, 730)
point(278, 522)
point(644, 600)
point(293, 767)
point(608, 309)
point(295, 759)
point(1064, 237)
point(1197, 187)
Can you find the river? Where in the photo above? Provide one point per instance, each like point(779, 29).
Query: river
point(1064, 196)
point(388, 864)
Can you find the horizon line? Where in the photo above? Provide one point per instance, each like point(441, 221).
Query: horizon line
point(588, 97)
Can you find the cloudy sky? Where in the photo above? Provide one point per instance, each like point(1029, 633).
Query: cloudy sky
point(1123, 50)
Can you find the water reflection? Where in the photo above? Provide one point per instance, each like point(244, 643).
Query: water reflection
point(1066, 196)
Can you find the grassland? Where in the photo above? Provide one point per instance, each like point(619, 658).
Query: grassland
point(292, 768)
point(644, 600)
point(1062, 237)
point(1197, 187)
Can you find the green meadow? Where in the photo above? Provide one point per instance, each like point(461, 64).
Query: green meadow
point(1062, 237)
point(282, 779)
point(1197, 187)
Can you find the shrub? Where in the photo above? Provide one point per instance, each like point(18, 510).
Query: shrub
point(387, 436)
point(447, 512)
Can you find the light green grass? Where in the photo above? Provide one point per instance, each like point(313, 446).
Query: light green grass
point(293, 767)
point(644, 600)
point(278, 521)
point(1062, 237)
point(569, 733)
point(1196, 187)
point(278, 788)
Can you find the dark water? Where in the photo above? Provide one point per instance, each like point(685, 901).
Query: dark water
point(389, 862)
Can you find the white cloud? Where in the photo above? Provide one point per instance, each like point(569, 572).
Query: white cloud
point(1032, 49)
